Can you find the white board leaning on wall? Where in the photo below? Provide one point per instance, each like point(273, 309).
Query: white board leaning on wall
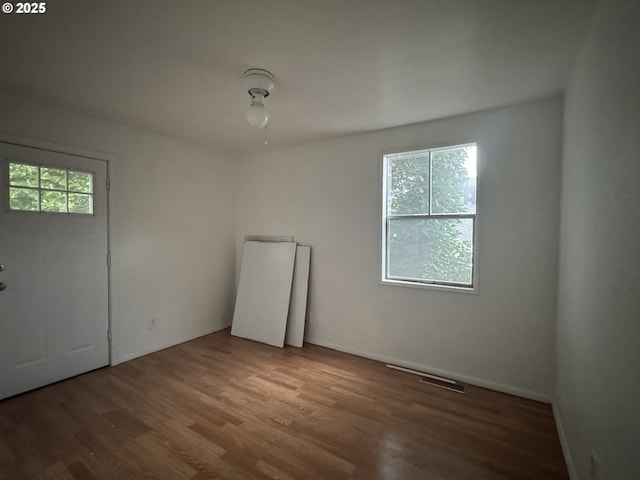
point(271, 300)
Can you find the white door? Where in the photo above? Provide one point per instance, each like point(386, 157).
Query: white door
point(53, 251)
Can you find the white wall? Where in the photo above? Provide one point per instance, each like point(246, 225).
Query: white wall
point(172, 225)
point(328, 196)
point(599, 305)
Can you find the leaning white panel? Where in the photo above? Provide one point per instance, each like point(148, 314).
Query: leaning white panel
point(298, 306)
point(264, 290)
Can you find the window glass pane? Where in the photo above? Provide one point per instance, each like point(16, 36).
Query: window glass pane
point(431, 249)
point(453, 180)
point(53, 178)
point(53, 201)
point(80, 203)
point(23, 199)
point(408, 184)
point(80, 182)
point(23, 176)
point(48, 189)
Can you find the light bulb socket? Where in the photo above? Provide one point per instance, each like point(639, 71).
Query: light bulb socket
point(258, 81)
point(257, 100)
point(259, 84)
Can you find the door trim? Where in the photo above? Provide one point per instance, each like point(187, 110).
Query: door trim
point(48, 146)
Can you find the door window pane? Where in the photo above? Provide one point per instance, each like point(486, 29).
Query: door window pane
point(53, 178)
point(23, 199)
point(80, 182)
point(80, 203)
point(23, 175)
point(53, 201)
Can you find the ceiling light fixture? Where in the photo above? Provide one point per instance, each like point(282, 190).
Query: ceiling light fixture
point(259, 84)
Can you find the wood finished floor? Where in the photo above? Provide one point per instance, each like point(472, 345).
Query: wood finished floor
point(220, 407)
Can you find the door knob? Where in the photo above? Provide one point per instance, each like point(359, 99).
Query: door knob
point(1, 267)
point(2, 286)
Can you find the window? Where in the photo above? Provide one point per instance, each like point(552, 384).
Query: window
point(429, 217)
point(34, 188)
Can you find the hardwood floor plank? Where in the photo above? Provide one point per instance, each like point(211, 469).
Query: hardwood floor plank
point(80, 471)
point(225, 408)
point(272, 472)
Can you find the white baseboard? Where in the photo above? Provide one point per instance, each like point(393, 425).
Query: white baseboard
point(563, 442)
point(171, 343)
point(499, 387)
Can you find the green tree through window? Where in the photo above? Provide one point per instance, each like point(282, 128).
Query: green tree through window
point(429, 216)
point(46, 189)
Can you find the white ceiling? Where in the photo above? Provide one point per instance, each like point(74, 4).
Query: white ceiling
point(175, 67)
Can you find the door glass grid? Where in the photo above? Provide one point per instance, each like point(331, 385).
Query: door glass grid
point(34, 188)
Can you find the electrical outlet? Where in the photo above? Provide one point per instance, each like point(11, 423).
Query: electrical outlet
point(595, 466)
point(153, 323)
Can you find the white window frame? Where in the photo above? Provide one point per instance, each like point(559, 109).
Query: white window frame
point(420, 283)
point(39, 189)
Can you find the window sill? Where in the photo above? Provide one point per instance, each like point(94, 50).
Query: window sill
point(430, 286)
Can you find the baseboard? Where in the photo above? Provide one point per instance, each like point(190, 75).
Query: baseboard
point(172, 343)
point(499, 387)
point(563, 442)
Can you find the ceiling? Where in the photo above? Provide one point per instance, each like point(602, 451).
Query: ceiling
point(175, 67)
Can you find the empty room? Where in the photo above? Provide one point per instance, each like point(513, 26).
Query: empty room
point(310, 240)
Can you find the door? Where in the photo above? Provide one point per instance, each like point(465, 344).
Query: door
point(54, 280)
